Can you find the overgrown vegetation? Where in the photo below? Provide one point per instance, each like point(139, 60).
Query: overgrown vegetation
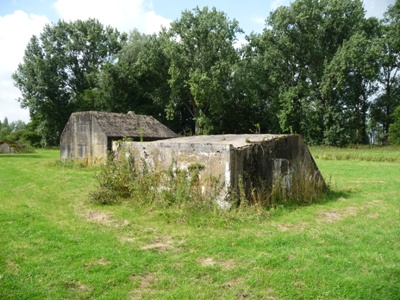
point(121, 179)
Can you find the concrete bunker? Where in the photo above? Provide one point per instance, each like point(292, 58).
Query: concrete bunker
point(88, 136)
point(11, 147)
point(248, 162)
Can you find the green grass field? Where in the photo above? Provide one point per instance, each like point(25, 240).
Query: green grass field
point(55, 244)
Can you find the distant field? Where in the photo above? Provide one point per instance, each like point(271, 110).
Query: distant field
point(57, 245)
point(367, 153)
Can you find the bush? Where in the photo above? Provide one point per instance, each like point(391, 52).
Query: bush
point(115, 180)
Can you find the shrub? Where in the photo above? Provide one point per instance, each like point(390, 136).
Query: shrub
point(115, 180)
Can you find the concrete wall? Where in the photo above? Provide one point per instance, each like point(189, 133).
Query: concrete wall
point(83, 140)
point(260, 161)
point(213, 159)
point(281, 160)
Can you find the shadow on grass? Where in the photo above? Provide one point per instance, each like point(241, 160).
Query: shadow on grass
point(329, 196)
point(335, 195)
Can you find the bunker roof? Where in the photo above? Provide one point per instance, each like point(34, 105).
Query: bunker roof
point(129, 125)
point(235, 140)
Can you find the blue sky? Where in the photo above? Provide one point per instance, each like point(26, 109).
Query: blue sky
point(20, 19)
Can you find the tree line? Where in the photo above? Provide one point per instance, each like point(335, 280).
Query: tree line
point(320, 68)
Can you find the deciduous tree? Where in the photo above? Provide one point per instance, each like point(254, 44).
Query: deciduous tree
point(201, 51)
point(60, 70)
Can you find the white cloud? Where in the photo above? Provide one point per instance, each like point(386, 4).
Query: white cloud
point(259, 20)
point(122, 14)
point(376, 8)
point(275, 4)
point(15, 32)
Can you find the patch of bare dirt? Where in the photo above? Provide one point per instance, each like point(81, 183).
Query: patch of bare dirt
point(350, 211)
point(234, 282)
point(331, 216)
point(124, 223)
point(144, 285)
point(209, 261)
point(146, 280)
point(159, 244)
point(336, 215)
point(288, 226)
point(12, 267)
point(373, 216)
point(126, 239)
point(99, 262)
point(77, 286)
point(206, 262)
point(228, 264)
point(98, 216)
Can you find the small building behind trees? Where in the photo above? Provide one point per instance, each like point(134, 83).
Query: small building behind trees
point(11, 147)
point(88, 136)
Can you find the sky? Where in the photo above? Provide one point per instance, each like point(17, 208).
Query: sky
point(20, 19)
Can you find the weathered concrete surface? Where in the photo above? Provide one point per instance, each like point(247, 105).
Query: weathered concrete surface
point(88, 136)
point(258, 160)
point(10, 147)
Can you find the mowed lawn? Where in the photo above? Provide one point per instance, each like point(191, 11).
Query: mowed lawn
point(55, 244)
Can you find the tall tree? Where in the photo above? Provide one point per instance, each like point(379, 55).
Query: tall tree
point(201, 50)
point(120, 86)
point(138, 80)
point(251, 106)
point(349, 82)
point(300, 41)
point(389, 95)
point(60, 72)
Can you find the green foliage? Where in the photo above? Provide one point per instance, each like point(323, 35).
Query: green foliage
point(115, 180)
point(394, 129)
point(348, 83)
point(200, 48)
point(19, 132)
point(389, 98)
point(300, 45)
point(60, 71)
point(123, 80)
point(320, 68)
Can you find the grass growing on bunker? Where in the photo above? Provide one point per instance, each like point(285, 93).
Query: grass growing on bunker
point(123, 178)
point(55, 244)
